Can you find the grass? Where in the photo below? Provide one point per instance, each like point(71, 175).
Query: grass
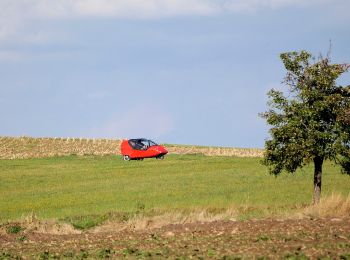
point(87, 221)
point(73, 187)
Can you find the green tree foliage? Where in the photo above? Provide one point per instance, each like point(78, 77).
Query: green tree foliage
point(311, 123)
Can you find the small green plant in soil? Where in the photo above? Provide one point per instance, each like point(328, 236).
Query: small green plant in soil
point(105, 253)
point(21, 238)
point(86, 222)
point(14, 229)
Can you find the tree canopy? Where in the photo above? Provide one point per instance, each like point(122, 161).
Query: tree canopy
point(311, 123)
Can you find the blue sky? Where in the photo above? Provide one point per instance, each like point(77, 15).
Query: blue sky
point(176, 71)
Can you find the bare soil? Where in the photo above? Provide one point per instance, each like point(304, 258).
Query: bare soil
point(322, 238)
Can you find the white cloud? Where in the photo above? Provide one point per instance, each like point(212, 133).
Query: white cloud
point(138, 8)
point(16, 15)
point(105, 8)
point(253, 5)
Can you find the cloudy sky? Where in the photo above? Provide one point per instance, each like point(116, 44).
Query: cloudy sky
point(177, 71)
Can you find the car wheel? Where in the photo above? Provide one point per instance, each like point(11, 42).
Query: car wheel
point(160, 157)
point(126, 158)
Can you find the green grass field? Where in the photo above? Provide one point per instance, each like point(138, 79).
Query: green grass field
point(72, 186)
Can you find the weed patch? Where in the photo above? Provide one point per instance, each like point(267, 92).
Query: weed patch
point(86, 222)
point(295, 256)
point(21, 238)
point(345, 256)
point(14, 229)
point(105, 253)
point(131, 251)
point(262, 238)
point(46, 255)
point(8, 256)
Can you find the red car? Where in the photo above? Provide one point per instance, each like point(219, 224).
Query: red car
point(138, 149)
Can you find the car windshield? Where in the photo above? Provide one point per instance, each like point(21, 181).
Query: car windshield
point(151, 143)
point(141, 144)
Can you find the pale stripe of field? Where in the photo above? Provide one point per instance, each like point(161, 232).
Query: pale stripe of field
point(29, 147)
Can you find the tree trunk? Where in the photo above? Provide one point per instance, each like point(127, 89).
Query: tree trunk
point(318, 162)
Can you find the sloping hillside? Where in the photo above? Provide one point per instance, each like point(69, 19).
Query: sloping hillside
point(28, 147)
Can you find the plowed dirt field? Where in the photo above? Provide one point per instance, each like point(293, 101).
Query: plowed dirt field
point(326, 238)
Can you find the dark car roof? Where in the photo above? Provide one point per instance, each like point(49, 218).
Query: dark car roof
point(138, 139)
